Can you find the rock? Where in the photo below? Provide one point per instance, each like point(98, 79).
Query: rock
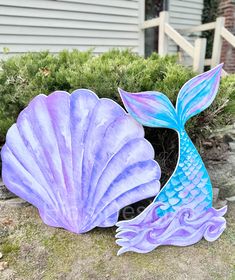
point(230, 199)
point(220, 203)
point(1, 255)
point(215, 194)
point(221, 167)
point(14, 202)
point(227, 138)
point(5, 193)
point(3, 233)
point(232, 146)
point(207, 144)
point(228, 130)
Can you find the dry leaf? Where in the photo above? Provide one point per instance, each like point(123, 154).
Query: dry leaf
point(3, 265)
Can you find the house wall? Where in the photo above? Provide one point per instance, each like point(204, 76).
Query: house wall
point(227, 10)
point(184, 14)
point(34, 25)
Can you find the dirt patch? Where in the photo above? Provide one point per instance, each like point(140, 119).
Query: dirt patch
point(36, 251)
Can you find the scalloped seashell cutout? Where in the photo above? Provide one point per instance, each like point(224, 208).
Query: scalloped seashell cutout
point(78, 159)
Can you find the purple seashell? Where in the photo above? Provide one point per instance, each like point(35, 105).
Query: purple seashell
point(78, 159)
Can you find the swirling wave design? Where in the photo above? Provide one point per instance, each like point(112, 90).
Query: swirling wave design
point(181, 228)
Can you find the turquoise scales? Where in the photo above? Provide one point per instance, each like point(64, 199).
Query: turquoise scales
point(190, 182)
point(182, 213)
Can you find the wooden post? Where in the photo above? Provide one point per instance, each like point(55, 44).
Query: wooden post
point(199, 55)
point(217, 44)
point(162, 37)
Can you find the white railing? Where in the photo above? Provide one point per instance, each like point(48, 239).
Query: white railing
point(220, 33)
point(198, 50)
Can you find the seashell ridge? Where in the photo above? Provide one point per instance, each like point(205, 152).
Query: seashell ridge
point(78, 159)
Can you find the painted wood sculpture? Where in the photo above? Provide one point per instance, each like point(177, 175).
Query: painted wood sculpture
point(182, 213)
point(78, 159)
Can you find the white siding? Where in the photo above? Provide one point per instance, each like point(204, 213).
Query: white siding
point(34, 25)
point(184, 14)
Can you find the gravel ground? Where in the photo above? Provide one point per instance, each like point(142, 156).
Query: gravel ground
point(31, 250)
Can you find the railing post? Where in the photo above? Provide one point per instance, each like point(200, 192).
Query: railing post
point(199, 55)
point(217, 44)
point(162, 37)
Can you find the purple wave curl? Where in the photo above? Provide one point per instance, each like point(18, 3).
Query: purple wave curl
point(181, 228)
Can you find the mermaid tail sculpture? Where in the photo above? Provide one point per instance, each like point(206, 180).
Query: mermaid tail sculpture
point(182, 213)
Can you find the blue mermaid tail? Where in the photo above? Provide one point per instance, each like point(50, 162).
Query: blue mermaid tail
point(182, 213)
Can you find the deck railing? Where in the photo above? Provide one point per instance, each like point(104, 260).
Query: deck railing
point(197, 51)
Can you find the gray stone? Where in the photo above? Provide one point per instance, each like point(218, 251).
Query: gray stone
point(3, 233)
point(215, 194)
point(231, 199)
point(228, 130)
point(222, 170)
point(220, 203)
point(232, 146)
point(14, 202)
point(5, 193)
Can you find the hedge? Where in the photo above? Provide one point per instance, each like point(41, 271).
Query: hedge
point(23, 77)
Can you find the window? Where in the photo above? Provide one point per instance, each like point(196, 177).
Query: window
point(152, 10)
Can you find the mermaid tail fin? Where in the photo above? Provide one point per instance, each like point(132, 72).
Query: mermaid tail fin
point(154, 109)
point(198, 94)
point(150, 108)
